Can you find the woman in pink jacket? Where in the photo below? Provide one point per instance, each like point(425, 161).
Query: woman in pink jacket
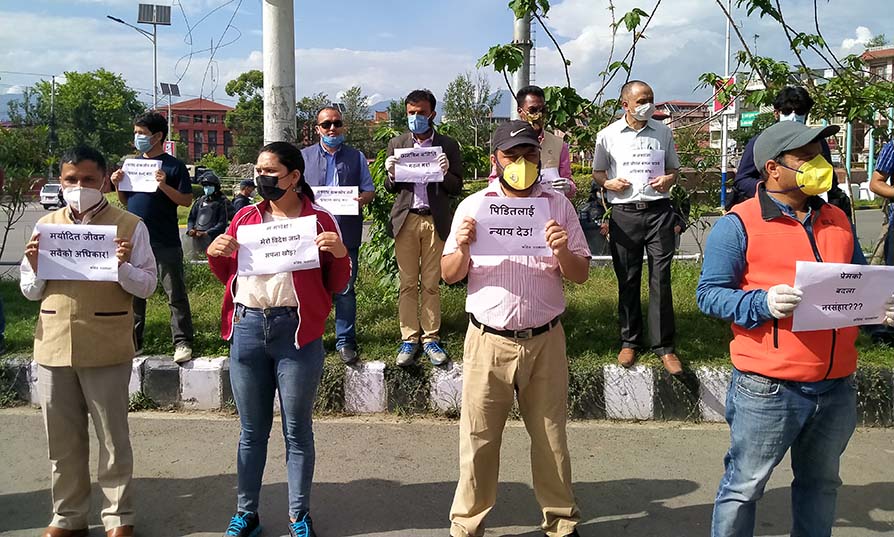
point(275, 324)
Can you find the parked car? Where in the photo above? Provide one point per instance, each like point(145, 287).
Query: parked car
point(51, 196)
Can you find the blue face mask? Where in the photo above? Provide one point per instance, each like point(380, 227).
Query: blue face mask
point(208, 190)
point(334, 141)
point(142, 142)
point(418, 124)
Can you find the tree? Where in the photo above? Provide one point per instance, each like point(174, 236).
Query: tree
point(95, 108)
point(468, 107)
point(397, 114)
point(306, 111)
point(246, 120)
point(216, 163)
point(877, 41)
point(26, 110)
point(356, 117)
point(22, 156)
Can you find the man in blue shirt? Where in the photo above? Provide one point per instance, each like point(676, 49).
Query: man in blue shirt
point(334, 163)
point(159, 212)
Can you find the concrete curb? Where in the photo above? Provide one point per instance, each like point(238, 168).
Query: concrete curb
point(639, 393)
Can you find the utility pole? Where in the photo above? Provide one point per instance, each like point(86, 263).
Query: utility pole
point(521, 38)
point(279, 70)
point(724, 139)
point(53, 138)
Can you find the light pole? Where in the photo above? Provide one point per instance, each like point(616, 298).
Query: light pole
point(154, 15)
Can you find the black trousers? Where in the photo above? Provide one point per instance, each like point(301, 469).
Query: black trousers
point(169, 262)
point(631, 232)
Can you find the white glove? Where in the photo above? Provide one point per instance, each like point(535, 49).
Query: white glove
point(443, 163)
point(889, 312)
point(560, 183)
point(390, 162)
point(782, 300)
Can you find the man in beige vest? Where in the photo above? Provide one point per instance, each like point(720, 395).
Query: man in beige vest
point(555, 157)
point(84, 348)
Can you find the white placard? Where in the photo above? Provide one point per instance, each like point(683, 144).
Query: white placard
point(547, 176)
point(837, 295)
point(77, 252)
point(339, 200)
point(278, 246)
point(139, 175)
point(511, 226)
point(639, 167)
point(418, 165)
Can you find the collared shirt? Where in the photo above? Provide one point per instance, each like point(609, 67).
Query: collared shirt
point(332, 178)
point(518, 292)
point(885, 162)
point(420, 190)
point(618, 139)
point(138, 276)
point(156, 209)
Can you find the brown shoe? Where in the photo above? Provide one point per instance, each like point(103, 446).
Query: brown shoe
point(627, 357)
point(120, 531)
point(672, 363)
point(53, 531)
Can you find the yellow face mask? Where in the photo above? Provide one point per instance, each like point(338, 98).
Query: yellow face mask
point(814, 176)
point(521, 174)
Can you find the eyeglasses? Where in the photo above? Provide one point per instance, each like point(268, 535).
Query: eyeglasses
point(329, 124)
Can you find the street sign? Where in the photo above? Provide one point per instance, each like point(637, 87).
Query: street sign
point(170, 148)
point(730, 107)
point(746, 119)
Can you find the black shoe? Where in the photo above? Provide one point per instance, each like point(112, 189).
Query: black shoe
point(348, 355)
point(244, 525)
point(303, 527)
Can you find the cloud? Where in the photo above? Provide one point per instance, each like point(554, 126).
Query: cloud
point(863, 35)
point(15, 89)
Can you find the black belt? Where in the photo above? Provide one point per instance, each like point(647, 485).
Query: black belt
point(527, 333)
point(642, 205)
point(268, 312)
point(421, 212)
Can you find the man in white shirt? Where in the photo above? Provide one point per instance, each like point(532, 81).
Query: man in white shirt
point(83, 368)
point(642, 218)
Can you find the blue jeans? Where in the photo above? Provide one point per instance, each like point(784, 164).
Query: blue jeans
point(346, 308)
point(766, 418)
point(263, 358)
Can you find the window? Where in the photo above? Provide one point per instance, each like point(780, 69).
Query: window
point(211, 118)
point(183, 118)
point(198, 149)
point(197, 118)
point(228, 143)
point(212, 142)
point(184, 135)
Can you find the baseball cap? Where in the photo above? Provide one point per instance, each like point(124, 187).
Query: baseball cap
point(209, 177)
point(246, 183)
point(513, 133)
point(786, 136)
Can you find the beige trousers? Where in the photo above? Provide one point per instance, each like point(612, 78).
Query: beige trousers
point(418, 249)
point(495, 370)
point(68, 395)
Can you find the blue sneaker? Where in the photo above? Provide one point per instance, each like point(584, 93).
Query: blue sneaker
point(406, 355)
point(303, 527)
point(244, 525)
point(436, 353)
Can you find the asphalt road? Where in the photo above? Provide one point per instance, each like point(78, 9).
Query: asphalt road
point(387, 478)
point(868, 227)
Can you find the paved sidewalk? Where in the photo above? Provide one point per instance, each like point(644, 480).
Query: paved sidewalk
point(382, 477)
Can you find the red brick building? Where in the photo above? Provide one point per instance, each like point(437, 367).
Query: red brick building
point(200, 125)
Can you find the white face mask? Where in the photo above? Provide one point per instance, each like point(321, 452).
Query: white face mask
point(793, 117)
point(643, 111)
point(81, 199)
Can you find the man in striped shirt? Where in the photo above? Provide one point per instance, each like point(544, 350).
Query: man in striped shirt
point(515, 344)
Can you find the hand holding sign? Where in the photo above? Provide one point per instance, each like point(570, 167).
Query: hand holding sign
point(222, 246)
point(420, 165)
point(31, 251)
point(330, 241)
point(556, 237)
point(465, 233)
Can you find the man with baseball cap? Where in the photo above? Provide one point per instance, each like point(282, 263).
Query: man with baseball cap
point(515, 343)
point(789, 390)
point(243, 198)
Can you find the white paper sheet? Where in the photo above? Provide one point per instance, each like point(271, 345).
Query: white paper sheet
point(418, 165)
point(139, 175)
point(278, 246)
point(837, 295)
point(511, 226)
point(77, 252)
point(338, 200)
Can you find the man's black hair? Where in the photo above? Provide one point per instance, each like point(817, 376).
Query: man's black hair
point(419, 95)
point(153, 121)
point(80, 153)
point(521, 94)
point(793, 99)
point(327, 107)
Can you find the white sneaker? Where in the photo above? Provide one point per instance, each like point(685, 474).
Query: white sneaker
point(182, 353)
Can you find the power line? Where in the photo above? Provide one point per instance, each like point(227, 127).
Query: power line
point(219, 41)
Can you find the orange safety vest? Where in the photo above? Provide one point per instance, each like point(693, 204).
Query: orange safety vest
point(772, 248)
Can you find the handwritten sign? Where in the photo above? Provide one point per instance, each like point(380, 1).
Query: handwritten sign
point(837, 295)
point(340, 200)
point(511, 226)
point(139, 175)
point(278, 246)
point(418, 165)
point(77, 252)
point(639, 166)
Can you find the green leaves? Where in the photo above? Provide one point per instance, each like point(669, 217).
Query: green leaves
point(631, 19)
point(528, 7)
point(503, 58)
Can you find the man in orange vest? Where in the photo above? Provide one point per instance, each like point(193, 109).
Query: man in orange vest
point(789, 390)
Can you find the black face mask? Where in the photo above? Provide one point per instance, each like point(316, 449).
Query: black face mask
point(267, 188)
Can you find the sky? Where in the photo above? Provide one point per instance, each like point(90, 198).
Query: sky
point(390, 47)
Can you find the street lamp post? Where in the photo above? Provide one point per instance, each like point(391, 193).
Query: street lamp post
point(154, 15)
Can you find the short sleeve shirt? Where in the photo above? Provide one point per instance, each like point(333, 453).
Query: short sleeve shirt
point(157, 210)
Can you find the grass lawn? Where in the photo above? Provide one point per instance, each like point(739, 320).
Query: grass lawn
point(590, 321)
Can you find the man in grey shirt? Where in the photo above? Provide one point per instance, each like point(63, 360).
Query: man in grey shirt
point(635, 161)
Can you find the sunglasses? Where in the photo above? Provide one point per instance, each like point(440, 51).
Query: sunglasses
point(329, 124)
